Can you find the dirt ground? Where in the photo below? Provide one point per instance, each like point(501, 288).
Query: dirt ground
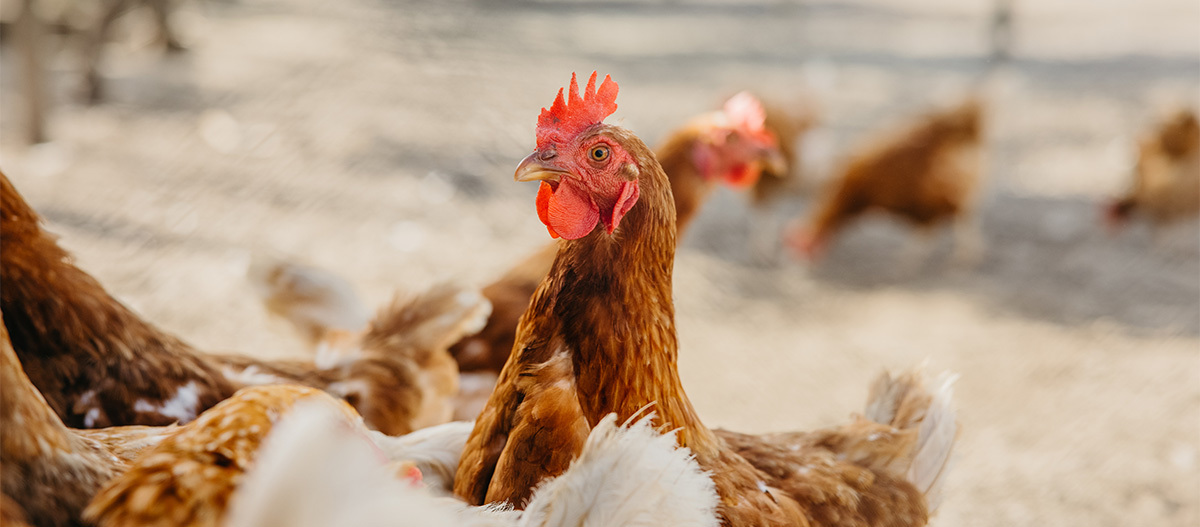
point(377, 139)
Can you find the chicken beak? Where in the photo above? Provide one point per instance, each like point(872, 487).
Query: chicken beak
point(535, 168)
point(776, 163)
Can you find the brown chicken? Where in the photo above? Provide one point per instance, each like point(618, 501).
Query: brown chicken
point(1166, 181)
point(49, 470)
point(599, 337)
point(99, 364)
point(732, 146)
point(926, 174)
point(134, 475)
point(191, 475)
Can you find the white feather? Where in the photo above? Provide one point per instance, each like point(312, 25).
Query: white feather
point(434, 450)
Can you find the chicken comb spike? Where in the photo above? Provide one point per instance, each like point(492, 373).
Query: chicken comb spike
point(746, 112)
point(566, 118)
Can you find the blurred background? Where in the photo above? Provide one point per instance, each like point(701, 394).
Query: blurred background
point(377, 139)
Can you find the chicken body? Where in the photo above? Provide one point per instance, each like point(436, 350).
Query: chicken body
point(100, 364)
point(926, 174)
point(599, 338)
point(1166, 184)
point(707, 150)
point(134, 475)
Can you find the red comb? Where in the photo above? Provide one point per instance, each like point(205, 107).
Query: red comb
point(744, 111)
point(568, 117)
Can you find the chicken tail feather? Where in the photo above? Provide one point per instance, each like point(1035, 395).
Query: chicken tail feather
point(315, 302)
point(905, 402)
point(432, 320)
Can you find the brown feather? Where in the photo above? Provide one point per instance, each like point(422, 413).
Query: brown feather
point(189, 478)
point(12, 514)
point(50, 470)
point(100, 364)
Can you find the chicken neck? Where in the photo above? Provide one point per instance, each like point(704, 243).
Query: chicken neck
point(614, 298)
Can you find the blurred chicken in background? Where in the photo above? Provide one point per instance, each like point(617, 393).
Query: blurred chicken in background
point(1166, 179)
point(927, 174)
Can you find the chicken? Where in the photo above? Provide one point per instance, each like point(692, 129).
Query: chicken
point(99, 364)
point(1166, 182)
point(731, 146)
point(312, 474)
point(599, 338)
point(190, 476)
point(53, 472)
point(926, 174)
point(168, 475)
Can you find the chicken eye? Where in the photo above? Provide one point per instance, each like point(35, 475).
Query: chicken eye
point(599, 153)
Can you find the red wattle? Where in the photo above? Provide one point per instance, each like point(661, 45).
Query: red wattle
point(741, 176)
point(567, 212)
point(543, 206)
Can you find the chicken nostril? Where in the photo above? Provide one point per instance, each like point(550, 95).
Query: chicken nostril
point(548, 154)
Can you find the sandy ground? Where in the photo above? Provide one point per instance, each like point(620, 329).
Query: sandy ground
point(377, 139)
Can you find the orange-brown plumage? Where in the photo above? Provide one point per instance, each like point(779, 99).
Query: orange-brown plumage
point(1166, 181)
point(696, 157)
point(606, 307)
point(190, 476)
point(100, 364)
point(925, 174)
point(12, 514)
point(50, 470)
